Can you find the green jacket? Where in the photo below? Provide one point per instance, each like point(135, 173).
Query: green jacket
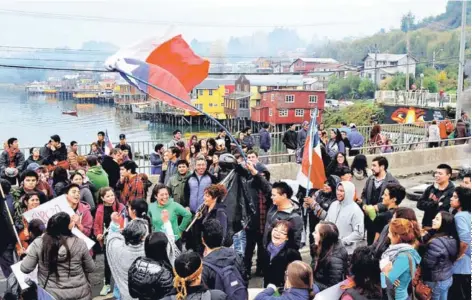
point(98, 177)
point(176, 185)
point(175, 210)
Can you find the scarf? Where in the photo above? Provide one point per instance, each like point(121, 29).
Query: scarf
point(11, 157)
point(393, 250)
point(274, 250)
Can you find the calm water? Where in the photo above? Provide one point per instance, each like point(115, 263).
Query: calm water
point(33, 119)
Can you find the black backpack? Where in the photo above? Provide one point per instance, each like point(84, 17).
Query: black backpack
point(230, 281)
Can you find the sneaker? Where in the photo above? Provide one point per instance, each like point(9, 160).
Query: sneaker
point(105, 290)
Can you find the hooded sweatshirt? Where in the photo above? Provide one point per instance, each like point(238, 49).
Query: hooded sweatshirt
point(98, 177)
point(175, 210)
point(221, 258)
point(348, 217)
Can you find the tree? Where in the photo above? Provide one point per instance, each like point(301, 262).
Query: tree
point(367, 88)
point(430, 84)
point(360, 113)
point(408, 22)
point(442, 77)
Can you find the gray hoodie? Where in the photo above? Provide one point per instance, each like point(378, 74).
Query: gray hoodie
point(348, 217)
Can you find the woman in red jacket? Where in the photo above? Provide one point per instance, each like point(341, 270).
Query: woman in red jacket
point(82, 218)
point(107, 205)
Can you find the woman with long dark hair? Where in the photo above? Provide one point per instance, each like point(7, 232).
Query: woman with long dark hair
point(376, 140)
point(59, 180)
point(338, 162)
point(138, 209)
point(441, 245)
point(280, 252)
point(460, 202)
point(330, 262)
point(63, 261)
point(194, 150)
point(365, 280)
point(107, 204)
point(150, 276)
point(335, 143)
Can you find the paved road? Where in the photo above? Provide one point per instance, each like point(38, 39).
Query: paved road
point(256, 282)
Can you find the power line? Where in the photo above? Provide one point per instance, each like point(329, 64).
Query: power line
point(162, 23)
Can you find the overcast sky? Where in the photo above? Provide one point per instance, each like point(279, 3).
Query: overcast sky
point(335, 19)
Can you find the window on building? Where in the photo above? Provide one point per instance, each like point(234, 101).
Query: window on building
point(199, 106)
point(299, 112)
point(200, 92)
point(264, 97)
point(210, 92)
point(270, 112)
point(289, 98)
point(283, 112)
point(313, 99)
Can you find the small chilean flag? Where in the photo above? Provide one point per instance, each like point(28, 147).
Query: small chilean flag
point(312, 169)
point(108, 144)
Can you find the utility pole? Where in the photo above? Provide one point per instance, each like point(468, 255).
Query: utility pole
point(407, 82)
point(375, 66)
point(460, 76)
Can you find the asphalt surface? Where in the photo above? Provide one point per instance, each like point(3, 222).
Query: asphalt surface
point(96, 278)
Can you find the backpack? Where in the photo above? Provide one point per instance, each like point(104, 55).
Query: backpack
point(230, 281)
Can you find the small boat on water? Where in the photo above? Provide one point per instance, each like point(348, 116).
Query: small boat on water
point(70, 112)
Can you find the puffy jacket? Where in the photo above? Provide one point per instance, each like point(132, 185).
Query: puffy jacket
point(148, 279)
point(431, 207)
point(30, 160)
point(439, 258)
point(275, 271)
point(331, 269)
point(5, 161)
point(199, 292)
point(98, 177)
point(222, 257)
point(193, 190)
point(72, 282)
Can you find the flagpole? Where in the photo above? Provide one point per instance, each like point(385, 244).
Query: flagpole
point(190, 105)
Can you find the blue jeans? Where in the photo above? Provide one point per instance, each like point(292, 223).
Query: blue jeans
point(239, 242)
point(439, 288)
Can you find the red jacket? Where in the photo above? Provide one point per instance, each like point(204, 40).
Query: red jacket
point(98, 225)
point(87, 219)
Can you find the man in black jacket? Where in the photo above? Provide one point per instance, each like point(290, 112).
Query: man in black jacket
point(437, 197)
point(290, 139)
point(55, 151)
point(111, 167)
point(124, 146)
point(7, 240)
point(218, 256)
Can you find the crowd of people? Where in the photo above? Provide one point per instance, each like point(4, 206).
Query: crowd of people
point(177, 240)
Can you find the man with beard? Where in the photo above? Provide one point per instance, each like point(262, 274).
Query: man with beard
point(375, 187)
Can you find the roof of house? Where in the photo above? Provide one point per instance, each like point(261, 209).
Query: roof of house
point(318, 60)
point(387, 56)
point(275, 80)
point(214, 83)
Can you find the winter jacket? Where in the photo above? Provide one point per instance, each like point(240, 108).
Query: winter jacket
point(331, 269)
point(171, 171)
point(120, 257)
point(72, 159)
point(59, 188)
point(5, 162)
point(431, 207)
point(433, 133)
point(56, 155)
point(7, 231)
point(177, 186)
point(290, 139)
point(83, 209)
point(381, 244)
point(30, 160)
point(72, 282)
point(198, 292)
point(221, 258)
point(355, 138)
point(348, 217)
point(259, 190)
point(149, 279)
point(127, 147)
point(193, 190)
point(289, 294)
point(439, 258)
point(99, 217)
point(292, 215)
point(367, 196)
point(175, 211)
point(112, 168)
point(301, 138)
point(334, 147)
point(248, 140)
point(265, 139)
point(98, 177)
point(274, 272)
point(156, 163)
point(87, 197)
